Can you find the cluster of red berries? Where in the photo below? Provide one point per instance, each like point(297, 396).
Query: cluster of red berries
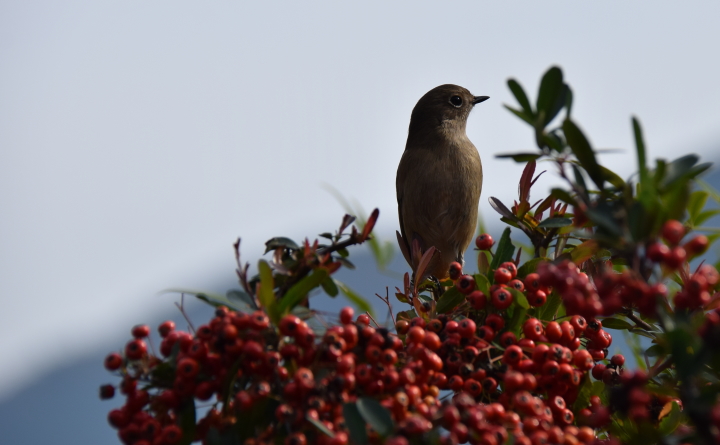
point(672, 254)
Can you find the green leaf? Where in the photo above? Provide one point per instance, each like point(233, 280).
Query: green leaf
point(519, 157)
point(704, 216)
point(377, 416)
point(529, 267)
point(354, 297)
point(547, 311)
point(319, 425)
point(522, 115)
point(696, 203)
point(518, 317)
point(234, 299)
point(449, 300)
point(583, 152)
point(406, 315)
point(355, 423)
point(551, 96)
point(669, 423)
point(612, 177)
point(504, 251)
point(563, 196)
point(520, 95)
point(267, 292)
point(616, 323)
point(555, 222)
point(520, 298)
point(280, 241)
point(482, 283)
point(602, 219)
point(330, 287)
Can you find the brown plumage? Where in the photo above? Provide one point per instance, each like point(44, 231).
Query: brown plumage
point(439, 178)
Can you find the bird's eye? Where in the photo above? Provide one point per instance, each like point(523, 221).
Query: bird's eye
point(456, 101)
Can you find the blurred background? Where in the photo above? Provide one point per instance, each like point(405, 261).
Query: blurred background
point(138, 140)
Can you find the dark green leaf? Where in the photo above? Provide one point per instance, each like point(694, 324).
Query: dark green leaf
point(267, 286)
point(327, 235)
point(299, 291)
point(555, 222)
point(642, 160)
point(355, 423)
point(579, 179)
point(640, 332)
point(679, 168)
point(654, 351)
point(501, 208)
point(328, 285)
point(504, 251)
point(603, 220)
point(406, 315)
point(280, 241)
point(616, 323)
point(354, 297)
point(520, 95)
point(241, 298)
point(376, 415)
point(551, 96)
point(520, 157)
point(568, 101)
point(187, 421)
point(232, 300)
point(583, 152)
point(449, 300)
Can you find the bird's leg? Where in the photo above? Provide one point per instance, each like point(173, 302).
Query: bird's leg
point(437, 289)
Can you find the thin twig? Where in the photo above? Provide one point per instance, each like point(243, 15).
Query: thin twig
point(181, 306)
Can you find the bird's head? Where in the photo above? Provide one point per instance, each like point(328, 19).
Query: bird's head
point(445, 106)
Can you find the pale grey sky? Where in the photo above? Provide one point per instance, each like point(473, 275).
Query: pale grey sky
point(139, 139)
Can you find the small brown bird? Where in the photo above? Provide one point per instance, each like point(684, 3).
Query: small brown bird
point(439, 178)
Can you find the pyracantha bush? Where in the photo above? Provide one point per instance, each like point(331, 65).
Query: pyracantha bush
point(516, 352)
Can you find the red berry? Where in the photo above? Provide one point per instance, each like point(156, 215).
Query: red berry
point(466, 328)
point(477, 300)
point(166, 328)
point(697, 245)
point(135, 349)
point(118, 418)
point(346, 315)
point(673, 231)
point(289, 325)
point(533, 329)
point(502, 299)
point(617, 360)
point(363, 319)
point(502, 276)
point(537, 298)
point(107, 392)
point(657, 252)
point(532, 282)
point(113, 361)
point(553, 331)
point(676, 257)
point(465, 284)
point(510, 266)
point(517, 285)
point(455, 270)
point(513, 354)
point(484, 242)
point(495, 321)
point(141, 331)
point(188, 368)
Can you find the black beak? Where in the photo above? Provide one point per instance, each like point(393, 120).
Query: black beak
point(478, 99)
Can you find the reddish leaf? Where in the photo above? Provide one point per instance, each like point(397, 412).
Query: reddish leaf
point(526, 181)
point(423, 264)
point(370, 224)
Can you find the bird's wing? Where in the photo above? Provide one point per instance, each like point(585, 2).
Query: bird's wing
point(400, 190)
